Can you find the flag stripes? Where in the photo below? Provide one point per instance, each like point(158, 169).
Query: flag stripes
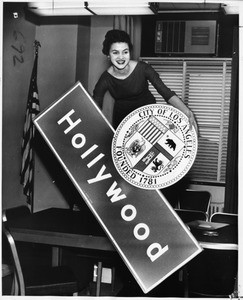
point(32, 109)
point(152, 130)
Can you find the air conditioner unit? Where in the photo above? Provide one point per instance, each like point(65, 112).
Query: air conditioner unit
point(186, 37)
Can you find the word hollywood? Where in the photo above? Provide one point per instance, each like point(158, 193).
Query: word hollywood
point(154, 146)
point(128, 212)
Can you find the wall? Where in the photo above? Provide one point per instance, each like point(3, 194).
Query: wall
point(63, 59)
point(68, 53)
point(99, 26)
point(99, 63)
point(83, 50)
point(69, 48)
point(56, 74)
point(18, 57)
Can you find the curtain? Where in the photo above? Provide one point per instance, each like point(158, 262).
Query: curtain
point(124, 23)
point(231, 189)
point(133, 26)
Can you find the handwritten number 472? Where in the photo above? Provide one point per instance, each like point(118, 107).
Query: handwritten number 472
point(19, 58)
point(18, 36)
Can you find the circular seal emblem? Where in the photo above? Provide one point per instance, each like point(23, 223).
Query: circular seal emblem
point(154, 147)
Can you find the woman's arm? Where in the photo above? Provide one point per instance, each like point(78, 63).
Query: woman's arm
point(98, 101)
point(169, 95)
point(179, 104)
point(100, 90)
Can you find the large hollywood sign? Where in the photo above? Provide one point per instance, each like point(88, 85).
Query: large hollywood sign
point(147, 233)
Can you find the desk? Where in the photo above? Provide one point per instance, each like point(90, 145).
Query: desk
point(215, 235)
point(214, 270)
point(62, 227)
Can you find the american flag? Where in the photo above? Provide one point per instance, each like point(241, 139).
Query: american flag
point(33, 108)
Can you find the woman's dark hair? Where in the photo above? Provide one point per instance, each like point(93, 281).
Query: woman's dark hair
point(115, 36)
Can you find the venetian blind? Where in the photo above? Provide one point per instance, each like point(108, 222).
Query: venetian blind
point(204, 85)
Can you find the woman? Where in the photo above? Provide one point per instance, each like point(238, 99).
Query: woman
point(127, 80)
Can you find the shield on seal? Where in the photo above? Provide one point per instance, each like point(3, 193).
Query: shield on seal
point(153, 147)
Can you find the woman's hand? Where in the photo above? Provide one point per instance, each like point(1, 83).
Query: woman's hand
point(179, 104)
point(192, 120)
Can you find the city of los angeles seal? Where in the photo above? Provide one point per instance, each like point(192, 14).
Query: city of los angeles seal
point(154, 147)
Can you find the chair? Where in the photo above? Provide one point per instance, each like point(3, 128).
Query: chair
point(8, 274)
point(213, 273)
point(190, 215)
point(195, 200)
point(221, 217)
point(42, 281)
point(7, 266)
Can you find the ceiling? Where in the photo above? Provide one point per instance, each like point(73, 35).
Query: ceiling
point(132, 7)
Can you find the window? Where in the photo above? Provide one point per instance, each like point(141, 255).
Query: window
point(204, 85)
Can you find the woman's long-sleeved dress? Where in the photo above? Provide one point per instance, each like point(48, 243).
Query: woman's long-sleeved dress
point(132, 92)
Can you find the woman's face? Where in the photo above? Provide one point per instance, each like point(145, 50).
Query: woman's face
point(120, 55)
